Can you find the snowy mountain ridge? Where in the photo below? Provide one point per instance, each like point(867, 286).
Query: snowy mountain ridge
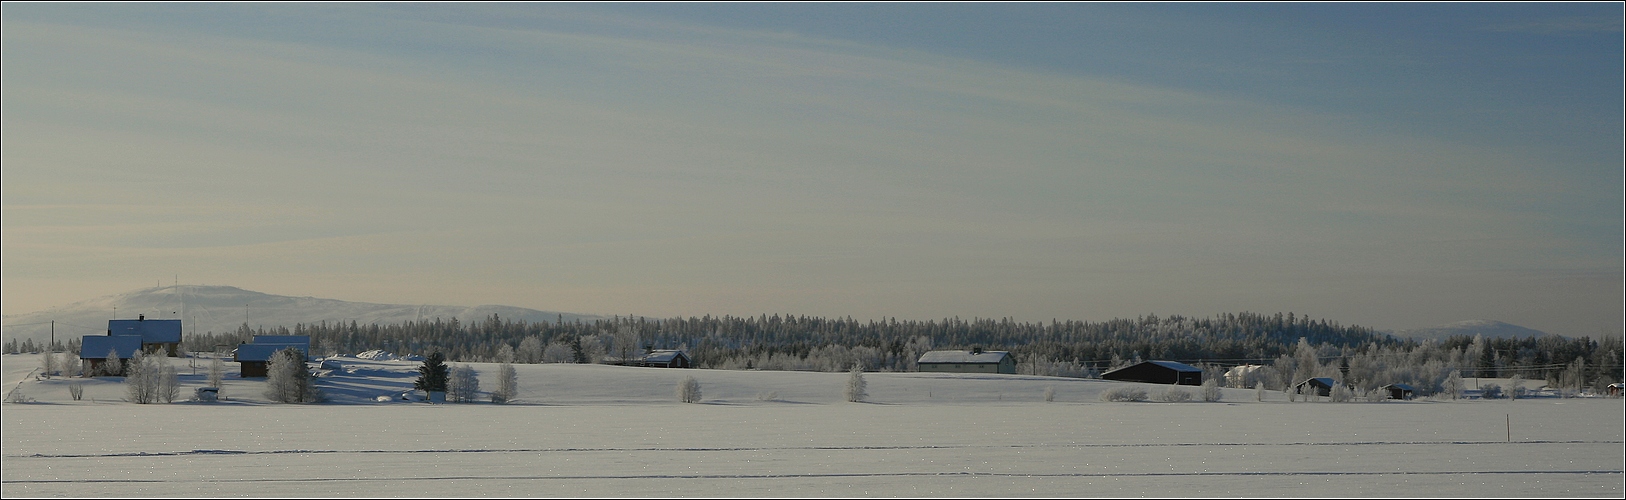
point(213, 308)
point(1491, 329)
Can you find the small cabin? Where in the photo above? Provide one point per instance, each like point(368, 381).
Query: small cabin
point(1320, 386)
point(656, 358)
point(94, 351)
point(254, 359)
point(1400, 391)
point(1157, 372)
point(157, 335)
point(972, 361)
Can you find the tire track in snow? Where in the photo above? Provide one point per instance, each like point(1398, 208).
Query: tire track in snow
point(841, 475)
point(785, 448)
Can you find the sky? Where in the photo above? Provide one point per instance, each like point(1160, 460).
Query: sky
point(1385, 165)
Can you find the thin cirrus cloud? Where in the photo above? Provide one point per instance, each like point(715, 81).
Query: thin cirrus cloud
point(594, 161)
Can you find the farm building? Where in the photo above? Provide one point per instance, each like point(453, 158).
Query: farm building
point(1158, 372)
point(1320, 386)
point(156, 334)
point(1399, 391)
point(658, 358)
point(93, 351)
point(973, 361)
point(252, 358)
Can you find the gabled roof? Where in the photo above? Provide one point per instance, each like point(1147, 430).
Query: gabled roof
point(263, 352)
point(97, 346)
point(1325, 381)
point(151, 331)
point(663, 356)
point(281, 339)
point(1402, 387)
point(1179, 367)
point(990, 357)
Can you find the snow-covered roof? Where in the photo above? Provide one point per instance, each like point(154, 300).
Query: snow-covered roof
point(993, 357)
point(1326, 381)
point(97, 346)
point(663, 355)
point(263, 352)
point(151, 331)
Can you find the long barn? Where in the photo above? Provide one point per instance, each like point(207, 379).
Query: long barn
point(973, 361)
point(1158, 372)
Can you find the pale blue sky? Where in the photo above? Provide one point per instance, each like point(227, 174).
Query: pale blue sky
point(1389, 165)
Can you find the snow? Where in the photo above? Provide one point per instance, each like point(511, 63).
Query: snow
point(596, 430)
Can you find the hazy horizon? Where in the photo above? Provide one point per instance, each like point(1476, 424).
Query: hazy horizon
point(1387, 165)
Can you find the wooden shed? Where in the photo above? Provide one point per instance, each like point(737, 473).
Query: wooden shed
point(1158, 372)
point(1399, 391)
point(973, 361)
point(157, 335)
point(93, 351)
point(1320, 386)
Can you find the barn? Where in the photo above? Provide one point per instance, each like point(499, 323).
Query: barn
point(973, 361)
point(93, 351)
point(156, 334)
point(252, 358)
point(1320, 386)
point(657, 358)
point(1158, 372)
point(1399, 391)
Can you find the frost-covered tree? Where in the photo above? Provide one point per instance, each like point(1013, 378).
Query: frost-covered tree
point(856, 389)
point(217, 372)
point(112, 366)
point(287, 380)
point(464, 384)
point(1341, 393)
point(507, 384)
point(1211, 390)
point(1259, 391)
point(1124, 393)
point(1515, 387)
point(141, 379)
point(505, 354)
point(169, 382)
point(688, 390)
point(76, 390)
point(1049, 394)
point(48, 364)
point(558, 352)
point(68, 365)
point(1453, 385)
point(530, 350)
point(625, 341)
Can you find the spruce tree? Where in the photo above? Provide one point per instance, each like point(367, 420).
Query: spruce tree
point(433, 375)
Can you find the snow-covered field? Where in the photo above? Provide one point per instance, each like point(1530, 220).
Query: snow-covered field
point(587, 430)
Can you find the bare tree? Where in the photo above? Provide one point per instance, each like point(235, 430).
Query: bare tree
point(1211, 390)
point(217, 373)
point(626, 343)
point(463, 385)
point(287, 379)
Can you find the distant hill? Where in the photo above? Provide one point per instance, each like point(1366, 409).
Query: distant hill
point(225, 308)
point(1489, 328)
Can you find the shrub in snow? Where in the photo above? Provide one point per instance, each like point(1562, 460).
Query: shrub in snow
point(1211, 390)
point(1049, 394)
point(1515, 387)
point(464, 385)
point(1377, 395)
point(856, 390)
point(17, 396)
point(507, 384)
point(48, 364)
point(1259, 392)
point(287, 380)
point(1174, 394)
point(1490, 391)
point(1341, 394)
point(76, 390)
point(688, 391)
point(1125, 393)
point(768, 396)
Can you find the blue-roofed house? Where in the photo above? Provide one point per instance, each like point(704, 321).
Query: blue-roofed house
point(1400, 391)
point(156, 334)
point(1157, 372)
point(94, 351)
point(254, 359)
point(975, 360)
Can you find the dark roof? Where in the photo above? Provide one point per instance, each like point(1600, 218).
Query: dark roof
point(151, 331)
point(263, 352)
point(97, 346)
point(1179, 367)
point(1402, 387)
point(988, 357)
point(663, 356)
point(1326, 381)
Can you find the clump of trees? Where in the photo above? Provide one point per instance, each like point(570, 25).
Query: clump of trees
point(288, 380)
point(688, 390)
point(151, 379)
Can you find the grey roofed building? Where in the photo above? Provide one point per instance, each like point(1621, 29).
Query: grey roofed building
point(658, 358)
point(1157, 372)
point(1322, 386)
point(93, 350)
point(973, 361)
point(253, 359)
point(1400, 391)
